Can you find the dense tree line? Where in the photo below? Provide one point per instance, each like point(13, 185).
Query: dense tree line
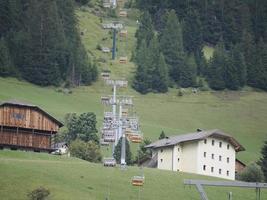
point(40, 42)
point(237, 29)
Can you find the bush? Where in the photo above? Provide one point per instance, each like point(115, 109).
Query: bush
point(89, 151)
point(252, 173)
point(39, 194)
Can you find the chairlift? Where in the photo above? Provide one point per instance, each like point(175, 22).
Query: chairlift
point(103, 143)
point(123, 13)
point(123, 60)
point(109, 135)
point(123, 33)
point(138, 180)
point(124, 112)
point(105, 49)
point(109, 162)
point(105, 75)
point(135, 138)
point(105, 100)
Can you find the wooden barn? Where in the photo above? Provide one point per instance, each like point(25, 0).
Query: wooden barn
point(25, 126)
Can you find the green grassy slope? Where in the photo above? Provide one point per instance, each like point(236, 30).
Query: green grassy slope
point(242, 114)
point(69, 178)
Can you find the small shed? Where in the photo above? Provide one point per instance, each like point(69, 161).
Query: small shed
point(239, 166)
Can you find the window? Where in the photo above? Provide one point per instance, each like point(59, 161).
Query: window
point(220, 144)
point(161, 160)
point(220, 158)
point(220, 171)
point(205, 141)
point(205, 154)
point(204, 167)
point(161, 150)
point(212, 142)
point(228, 159)
point(178, 159)
point(178, 149)
point(228, 146)
point(212, 169)
point(227, 173)
point(212, 156)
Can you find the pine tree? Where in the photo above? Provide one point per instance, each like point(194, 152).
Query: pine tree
point(162, 135)
point(161, 75)
point(216, 68)
point(240, 65)
point(263, 160)
point(188, 73)
point(140, 82)
point(192, 32)
point(6, 65)
point(145, 31)
point(171, 44)
point(117, 152)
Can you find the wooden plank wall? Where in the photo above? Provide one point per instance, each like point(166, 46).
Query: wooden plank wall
point(23, 139)
point(26, 117)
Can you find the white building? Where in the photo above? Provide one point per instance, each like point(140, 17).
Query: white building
point(211, 153)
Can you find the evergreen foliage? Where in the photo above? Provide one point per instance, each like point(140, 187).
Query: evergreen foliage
point(162, 135)
point(171, 44)
point(44, 43)
point(263, 161)
point(117, 152)
point(240, 25)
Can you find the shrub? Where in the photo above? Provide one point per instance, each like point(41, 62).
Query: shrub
point(40, 193)
point(252, 173)
point(89, 151)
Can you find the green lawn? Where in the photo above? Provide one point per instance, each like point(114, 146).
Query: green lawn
point(208, 52)
point(70, 178)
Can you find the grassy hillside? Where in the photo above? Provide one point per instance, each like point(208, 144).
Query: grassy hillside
point(242, 114)
point(69, 178)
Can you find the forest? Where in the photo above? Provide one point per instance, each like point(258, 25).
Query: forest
point(172, 34)
point(40, 42)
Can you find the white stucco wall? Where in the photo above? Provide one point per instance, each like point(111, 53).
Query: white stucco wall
point(189, 157)
point(210, 162)
point(165, 158)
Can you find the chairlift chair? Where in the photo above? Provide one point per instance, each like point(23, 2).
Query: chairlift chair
point(109, 162)
point(109, 135)
point(123, 13)
point(124, 112)
point(138, 180)
point(123, 60)
point(135, 138)
point(105, 75)
point(123, 33)
point(103, 143)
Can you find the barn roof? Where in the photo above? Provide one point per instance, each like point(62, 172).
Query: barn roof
point(23, 104)
point(173, 140)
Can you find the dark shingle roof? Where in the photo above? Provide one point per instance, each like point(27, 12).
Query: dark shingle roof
point(173, 140)
point(23, 104)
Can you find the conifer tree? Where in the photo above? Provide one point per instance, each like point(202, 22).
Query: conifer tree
point(217, 68)
point(6, 65)
point(117, 152)
point(145, 31)
point(192, 32)
point(162, 135)
point(171, 44)
point(263, 160)
point(188, 72)
point(140, 82)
